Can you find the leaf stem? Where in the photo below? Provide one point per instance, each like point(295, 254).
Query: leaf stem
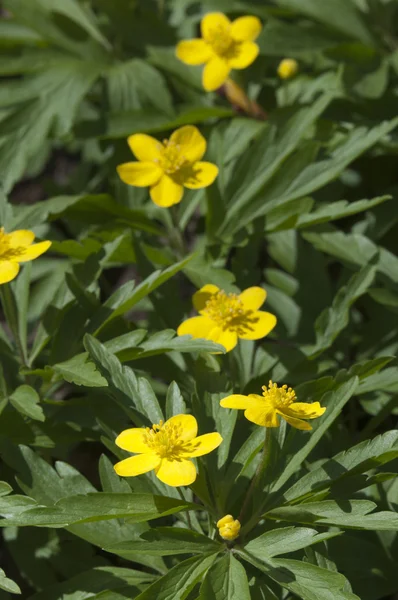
point(181, 494)
point(262, 466)
point(176, 235)
point(11, 315)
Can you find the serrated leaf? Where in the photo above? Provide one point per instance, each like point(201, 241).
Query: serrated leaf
point(27, 401)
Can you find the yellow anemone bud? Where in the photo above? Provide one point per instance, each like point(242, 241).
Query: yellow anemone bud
point(228, 527)
point(288, 68)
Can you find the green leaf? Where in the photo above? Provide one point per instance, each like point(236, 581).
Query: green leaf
point(307, 581)
point(337, 210)
point(334, 319)
point(8, 585)
point(124, 385)
point(175, 404)
point(128, 296)
point(284, 540)
point(226, 580)
point(352, 514)
point(356, 249)
point(135, 83)
point(179, 581)
point(167, 541)
point(27, 401)
point(358, 459)
point(95, 581)
point(98, 507)
point(251, 176)
point(5, 488)
point(80, 371)
point(336, 14)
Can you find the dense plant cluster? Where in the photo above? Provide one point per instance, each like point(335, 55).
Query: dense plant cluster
point(199, 297)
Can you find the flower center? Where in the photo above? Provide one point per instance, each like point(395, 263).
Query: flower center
point(171, 159)
point(165, 440)
point(279, 397)
point(220, 40)
point(7, 253)
point(225, 309)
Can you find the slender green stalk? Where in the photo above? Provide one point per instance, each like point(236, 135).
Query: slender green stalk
point(11, 314)
point(180, 492)
point(262, 466)
point(176, 236)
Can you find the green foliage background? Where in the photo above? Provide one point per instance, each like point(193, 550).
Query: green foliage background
point(305, 205)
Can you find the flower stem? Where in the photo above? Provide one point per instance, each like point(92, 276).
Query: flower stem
point(11, 314)
point(181, 494)
point(259, 473)
point(176, 235)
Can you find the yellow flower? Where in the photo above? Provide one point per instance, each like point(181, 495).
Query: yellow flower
point(228, 528)
point(166, 448)
point(287, 68)
point(169, 166)
point(17, 247)
point(264, 410)
point(223, 46)
point(227, 317)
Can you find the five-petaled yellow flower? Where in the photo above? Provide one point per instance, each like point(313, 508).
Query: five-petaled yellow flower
point(226, 317)
point(169, 166)
point(264, 410)
point(167, 448)
point(288, 67)
point(225, 45)
point(228, 527)
point(17, 247)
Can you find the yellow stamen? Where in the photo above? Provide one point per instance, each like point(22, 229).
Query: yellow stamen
point(171, 159)
point(279, 397)
point(165, 439)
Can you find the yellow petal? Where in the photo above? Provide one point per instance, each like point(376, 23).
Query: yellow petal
point(203, 444)
point(166, 192)
point(297, 423)
point(246, 54)
point(198, 327)
point(21, 237)
point(214, 22)
point(33, 251)
point(193, 52)
point(200, 175)
point(215, 73)
point(8, 271)
point(225, 521)
point(253, 298)
point(145, 147)
point(237, 401)
point(262, 414)
point(261, 323)
point(187, 425)
point(140, 174)
point(304, 410)
point(192, 144)
point(200, 297)
point(228, 339)
point(176, 472)
point(287, 68)
point(136, 465)
point(246, 29)
point(132, 440)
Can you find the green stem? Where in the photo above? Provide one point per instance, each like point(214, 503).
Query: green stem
point(180, 492)
point(11, 314)
point(262, 466)
point(176, 237)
